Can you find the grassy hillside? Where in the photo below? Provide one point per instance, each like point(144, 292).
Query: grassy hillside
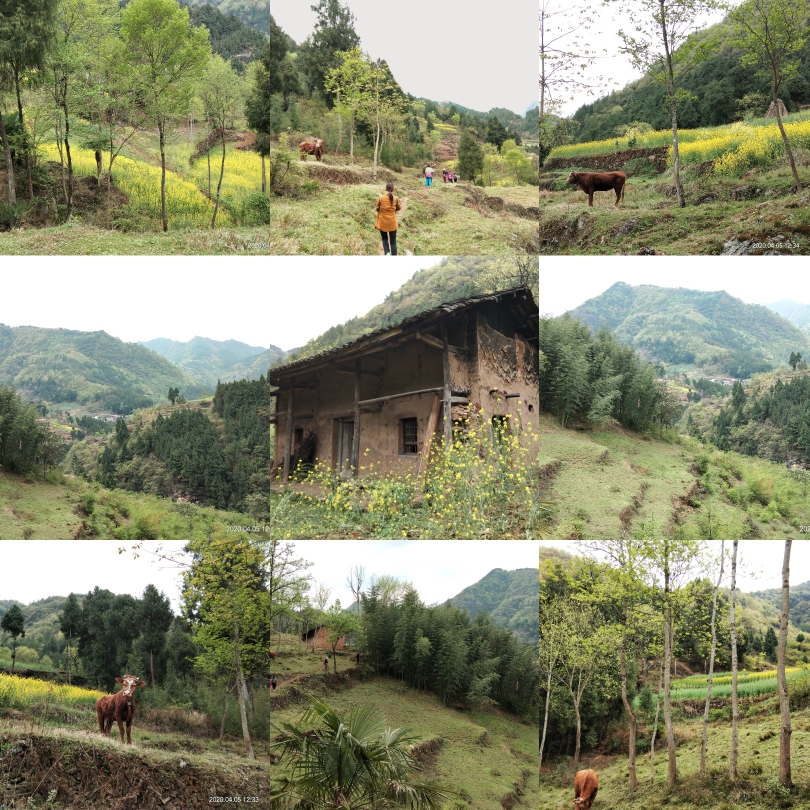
point(484, 755)
point(711, 330)
point(757, 788)
point(509, 597)
point(64, 507)
point(91, 368)
point(208, 361)
point(606, 483)
point(335, 215)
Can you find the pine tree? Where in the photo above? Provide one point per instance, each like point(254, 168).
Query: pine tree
point(470, 157)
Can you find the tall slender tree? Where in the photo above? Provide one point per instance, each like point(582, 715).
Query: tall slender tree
point(13, 623)
point(169, 57)
point(704, 741)
point(785, 777)
point(735, 707)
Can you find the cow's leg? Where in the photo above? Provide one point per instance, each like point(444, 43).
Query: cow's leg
point(618, 197)
point(100, 716)
point(129, 728)
point(121, 728)
point(590, 199)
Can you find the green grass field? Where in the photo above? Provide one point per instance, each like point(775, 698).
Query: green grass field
point(338, 218)
point(64, 508)
point(771, 219)
point(758, 767)
point(485, 756)
point(606, 483)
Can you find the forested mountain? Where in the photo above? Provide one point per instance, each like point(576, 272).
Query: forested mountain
point(509, 597)
point(711, 330)
point(230, 37)
point(208, 361)
point(799, 603)
point(213, 453)
point(721, 90)
point(453, 278)
point(798, 314)
point(253, 13)
point(90, 368)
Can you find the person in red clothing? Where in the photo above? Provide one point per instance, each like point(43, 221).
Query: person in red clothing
point(386, 222)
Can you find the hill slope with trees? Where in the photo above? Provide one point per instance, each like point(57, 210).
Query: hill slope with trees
point(798, 314)
point(93, 369)
point(509, 597)
point(711, 330)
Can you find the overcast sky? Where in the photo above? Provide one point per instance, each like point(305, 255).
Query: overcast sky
point(282, 301)
point(479, 55)
point(565, 284)
point(614, 67)
point(759, 565)
point(438, 569)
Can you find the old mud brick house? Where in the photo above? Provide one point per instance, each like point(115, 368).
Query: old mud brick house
point(382, 398)
point(318, 639)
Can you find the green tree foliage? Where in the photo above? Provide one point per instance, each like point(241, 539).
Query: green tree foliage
point(350, 761)
point(13, 623)
point(70, 624)
point(495, 133)
point(333, 32)
point(253, 13)
point(229, 36)
point(795, 359)
point(769, 645)
point(470, 156)
point(596, 378)
point(169, 57)
point(154, 621)
point(443, 650)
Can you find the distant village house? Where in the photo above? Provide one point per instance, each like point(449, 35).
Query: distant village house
point(383, 398)
point(318, 639)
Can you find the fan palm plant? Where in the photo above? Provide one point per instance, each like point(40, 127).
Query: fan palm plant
point(350, 763)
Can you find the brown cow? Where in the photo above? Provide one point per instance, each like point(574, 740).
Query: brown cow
point(599, 181)
point(119, 707)
point(586, 784)
point(316, 147)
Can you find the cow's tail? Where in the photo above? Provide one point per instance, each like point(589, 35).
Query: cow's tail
point(623, 185)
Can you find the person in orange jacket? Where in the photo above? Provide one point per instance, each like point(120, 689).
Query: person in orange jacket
point(386, 223)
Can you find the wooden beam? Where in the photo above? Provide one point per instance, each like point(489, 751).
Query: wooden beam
point(427, 444)
point(365, 371)
point(397, 396)
point(430, 340)
point(448, 413)
point(358, 376)
point(285, 476)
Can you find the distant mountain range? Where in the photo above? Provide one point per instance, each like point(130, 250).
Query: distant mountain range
point(510, 599)
point(88, 368)
point(209, 360)
point(711, 330)
point(253, 13)
point(798, 314)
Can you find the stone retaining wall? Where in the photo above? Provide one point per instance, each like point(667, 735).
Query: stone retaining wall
point(612, 161)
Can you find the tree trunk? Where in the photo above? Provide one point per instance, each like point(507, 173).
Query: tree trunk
point(208, 154)
point(224, 715)
point(711, 666)
point(797, 184)
point(219, 184)
point(628, 709)
point(672, 774)
point(163, 213)
point(655, 728)
point(69, 166)
point(781, 679)
point(264, 176)
point(24, 135)
point(152, 666)
point(340, 124)
point(240, 692)
point(12, 192)
point(334, 658)
point(676, 170)
point(351, 140)
point(735, 708)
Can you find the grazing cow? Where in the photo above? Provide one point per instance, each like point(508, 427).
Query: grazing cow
point(586, 783)
point(599, 181)
point(316, 147)
point(119, 707)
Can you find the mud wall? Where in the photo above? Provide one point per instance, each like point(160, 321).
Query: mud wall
point(612, 161)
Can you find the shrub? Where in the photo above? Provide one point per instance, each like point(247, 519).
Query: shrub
point(254, 209)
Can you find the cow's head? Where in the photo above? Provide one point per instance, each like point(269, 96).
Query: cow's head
point(582, 804)
point(129, 683)
point(572, 178)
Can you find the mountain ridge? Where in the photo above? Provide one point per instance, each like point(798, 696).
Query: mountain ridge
point(712, 330)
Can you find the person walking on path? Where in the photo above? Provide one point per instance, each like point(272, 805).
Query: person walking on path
point(386, 223)
point(444, 175)
point(326, 664)
point(428, 176)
